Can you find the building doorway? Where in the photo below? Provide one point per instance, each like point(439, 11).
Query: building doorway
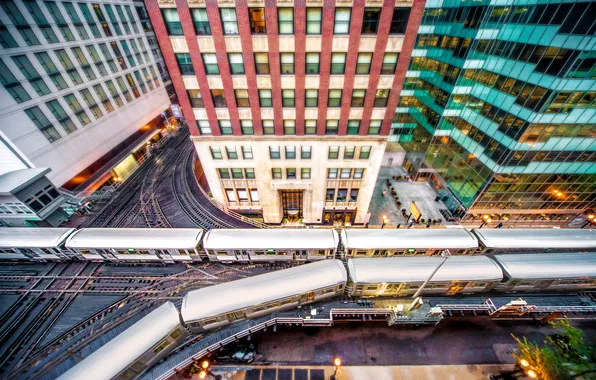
point(338, 217)
point(291, 201)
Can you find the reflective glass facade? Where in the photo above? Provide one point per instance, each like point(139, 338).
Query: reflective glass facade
point(498, 108)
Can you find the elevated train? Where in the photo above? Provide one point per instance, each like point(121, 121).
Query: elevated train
point(257, 245)
point(154, 336)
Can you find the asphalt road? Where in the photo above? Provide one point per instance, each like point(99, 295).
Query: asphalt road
point(477, 340)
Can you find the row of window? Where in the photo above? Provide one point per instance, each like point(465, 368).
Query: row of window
point(289, 127)
point(249, 173)
point(42, 198)
point(56, 108)
point(311, 98)
point(287, 63)
point(285, 21)
point(291, 173)
point(62, 23)
point(24, 64)
point(345, 173)
point(341, 195)
point(14, 208)
point(241, 195)
point(290, 153)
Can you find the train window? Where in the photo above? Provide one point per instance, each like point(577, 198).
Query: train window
point(361, 253)
point(479, 284)
point(413, 286)
point(175, 334)
point(411, 251)
point(210, 321)
point(221, 253)
point(271, 251)
point(285, 302)
point(136, 366)
point(322, 252)
point(182, 252)
point(282, 253)
point(161, 346)
point(259, 253)
point(6, 250)
point(372, 287)
point(360, 287)
point(327, 291)
point(461, 251)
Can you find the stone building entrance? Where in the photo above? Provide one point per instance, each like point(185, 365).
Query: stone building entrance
point(292, 204)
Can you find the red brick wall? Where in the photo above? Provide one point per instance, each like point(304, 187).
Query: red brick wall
point(274, 63)
point(299, 61)
point(163, 40)
point(403, 63)
point(325, 63)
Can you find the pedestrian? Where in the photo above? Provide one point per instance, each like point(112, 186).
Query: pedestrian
point(398, 225)
point(366, 225)
point(384, 192)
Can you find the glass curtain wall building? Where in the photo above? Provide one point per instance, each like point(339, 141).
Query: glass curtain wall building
point(498, 111)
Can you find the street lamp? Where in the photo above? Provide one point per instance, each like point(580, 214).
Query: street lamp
point(384, 220)
point(337, 364)
point(486, 220)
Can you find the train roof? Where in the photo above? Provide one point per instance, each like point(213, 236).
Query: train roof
point(120, 352)
point(453, 238)
point(278, 238)
point(138, 238)
point(537, 238)
point(548, 265)
point(256, 290)
point(418, 269)
point(33, 237)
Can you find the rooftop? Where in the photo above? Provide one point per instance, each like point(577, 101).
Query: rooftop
point(12, 182)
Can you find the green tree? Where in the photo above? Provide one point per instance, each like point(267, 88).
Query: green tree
point(563, 355)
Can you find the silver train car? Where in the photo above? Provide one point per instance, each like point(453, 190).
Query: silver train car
point(136, 349)
point(219, 305)
point(534, 240)
point(403, 276)
point(399, 242)
point(270, 245)
point(552, 272)
point(25, 243)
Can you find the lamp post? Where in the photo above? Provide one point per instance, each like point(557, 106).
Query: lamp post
point(337, 364)
point(384, 220)
point(590, 218)
point(486, 220)
point(204, 372)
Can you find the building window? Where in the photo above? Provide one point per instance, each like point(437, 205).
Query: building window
point(274, 153)
point(311, 98)
point(265, 98)
point(313, 20)
point(237, 173)
point(342, 194)
point(291, 173)
point(331, 127)
point(313, 61)
point(389, 63)
point(290, 152)
point(353, 195)
point(216, 153)
point(399, 21)
point(338, 63)
point(247, 152)
point(285, 17)
point(236, 63)
point(43, 124)
point(249, 173)
point(218, 98)
point(204, 127)
point(330, 195)
point(349, 152)
point(224, 173)
point(201, 21)
point(247, 128)
point(225, 127)
point(229, 20)
point(370, 23)
point(185, 64)
point(288, 98)
point(172, 21)
point(276, 173)
point(196, 101)
point(305, 152)
point(342, 20)
point(287, 63)
point(358, 173)
point(363, 65)
point(289, 127)
point(254, 195)
point(262, 63)
point(310, 127)
point(231, 194)
point(242, 98)
point(268, 127)
point(364, 152)
point(374, 127)
point(333, 153)
point(305, 173)
point(353, 127)
point(381, 97)
point(358, 98)
point(334, 98)
point(210, 63)
point(332, 173)
point(257, 20)
point(345, 173)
